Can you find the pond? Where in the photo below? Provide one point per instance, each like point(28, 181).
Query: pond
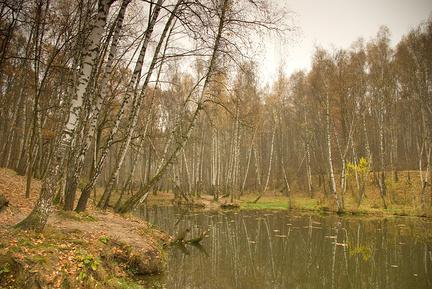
point(263, 249)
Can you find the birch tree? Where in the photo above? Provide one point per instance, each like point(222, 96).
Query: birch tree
point(131, 95)
point(39, 215)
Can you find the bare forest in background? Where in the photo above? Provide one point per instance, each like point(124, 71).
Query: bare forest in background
point(137, 97)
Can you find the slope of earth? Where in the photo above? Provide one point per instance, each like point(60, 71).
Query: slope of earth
point(98, 249)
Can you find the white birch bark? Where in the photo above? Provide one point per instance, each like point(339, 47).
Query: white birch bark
point(39, 215)
point(137, 102)
point(248, 160)
point(133, 201)
point(77, 161)
point(269, 167)
point(88, 62)
point(329, 156)
point(131, 91)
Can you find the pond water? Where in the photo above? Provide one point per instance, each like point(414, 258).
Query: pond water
point(261, 249)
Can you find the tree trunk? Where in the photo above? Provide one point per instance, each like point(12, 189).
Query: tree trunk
point(128, 184)
point(381, 180)
point(329, 157)
point(39, 216)
point(135, 200)
point(77, 155)
point(131, 89)
point(136, 105)
point(269, 167)
point(248, 160)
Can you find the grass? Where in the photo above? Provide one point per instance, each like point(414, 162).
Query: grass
point(403, 199)
point(370, 206)
point(81, 217)
point(269, 205)
point(281, 203)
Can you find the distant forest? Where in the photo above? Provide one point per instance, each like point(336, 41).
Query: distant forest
point(89, 98)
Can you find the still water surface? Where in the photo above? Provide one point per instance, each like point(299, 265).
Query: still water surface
point(261, 249)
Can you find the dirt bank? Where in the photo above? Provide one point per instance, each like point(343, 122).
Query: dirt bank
point(93, 250)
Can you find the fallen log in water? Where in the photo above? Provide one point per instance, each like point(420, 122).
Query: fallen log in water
point(181, 237)
point(198, 239)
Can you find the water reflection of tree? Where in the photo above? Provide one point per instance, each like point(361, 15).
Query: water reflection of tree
point(277, 250)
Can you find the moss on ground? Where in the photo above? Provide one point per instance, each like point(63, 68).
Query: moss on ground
point(321, 205)
point(81, 217)
point(94, 249)
point(124, 283)
point(54, 259)
point(403, 198)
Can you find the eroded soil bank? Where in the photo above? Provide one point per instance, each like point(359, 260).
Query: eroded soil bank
point(93, 250)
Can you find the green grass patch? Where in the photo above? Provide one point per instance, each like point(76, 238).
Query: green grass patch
point(279, 203)
point(264, 206)
point(104, 239)
point(80, 217)
point(265, 203)
point(308, 204)
point(369, 207)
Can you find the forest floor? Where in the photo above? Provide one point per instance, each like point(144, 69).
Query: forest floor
point(403, 199)
point(98, 249)
point(101, 249)
point(371, 206)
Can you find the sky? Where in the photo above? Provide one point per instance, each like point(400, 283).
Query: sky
point(337, 24)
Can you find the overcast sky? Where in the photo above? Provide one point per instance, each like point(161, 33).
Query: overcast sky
point(336, 24)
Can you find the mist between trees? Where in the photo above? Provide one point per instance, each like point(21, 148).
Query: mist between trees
point(93, 94)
